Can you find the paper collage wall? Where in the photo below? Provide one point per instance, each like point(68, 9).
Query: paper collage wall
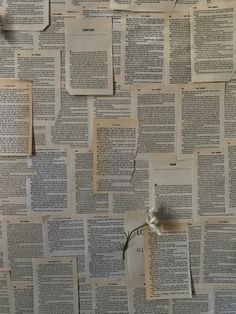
point(109, 109)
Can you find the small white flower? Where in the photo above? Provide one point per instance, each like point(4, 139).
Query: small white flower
point(153, 221)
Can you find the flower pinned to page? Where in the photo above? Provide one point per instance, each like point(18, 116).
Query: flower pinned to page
point(152, 222)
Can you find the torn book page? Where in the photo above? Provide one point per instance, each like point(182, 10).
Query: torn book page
point(166, 262)
point(213, 41)
point(24, 297)
point(224, 299)
point(26, 15)
point(89, 55)
point(16, 118)
point(55, 285)
point(115, 148)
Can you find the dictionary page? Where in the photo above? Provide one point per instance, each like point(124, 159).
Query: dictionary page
point(55, 285)
point(89, 55)
point(115, 146)
point(166, 261)
point(16, 118)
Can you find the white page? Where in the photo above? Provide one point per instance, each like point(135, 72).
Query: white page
point(89, 56)
point(27, 15)
point(55, 285)
point(16, 118)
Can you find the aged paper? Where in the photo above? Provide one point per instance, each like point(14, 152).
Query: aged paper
point(83, 199)
point(230, 167)
point(89, 55)
point(7, 305)
point(24, 297)
point(156, 111)
point(16, 118)
point(26, 15)
point(200, 114)
point(142, 50)
point(171, 189)
point(104, 241)
point(134, 254)
point(115, 146)
point(166, 261)
point(230, 108)
point(55, 285)
point(178, 63)
point(218, 252)
point(23, 240)
point(213, 41)
point(42, 67)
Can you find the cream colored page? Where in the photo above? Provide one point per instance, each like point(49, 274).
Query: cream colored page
point(143, 38)
point(213, 42)
point(55, 285)
point(178, 62)
point(46, 86)
point(218, 249)
point(138, 303)
point(153, 6)
point(115, 146)
point(230, 168)
point(77, 5)
point(25, 15)
point(167, 280)
point(89, 55)
point(134, 254)
point(24, 297)
point(156, 111)
point(83, 199)
point(7, 305)
point(200, 117)
point(230, 108)
point(1, 246)
point(209, 172)
point(22, 240)
point(171, 191)
point(16, 115)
